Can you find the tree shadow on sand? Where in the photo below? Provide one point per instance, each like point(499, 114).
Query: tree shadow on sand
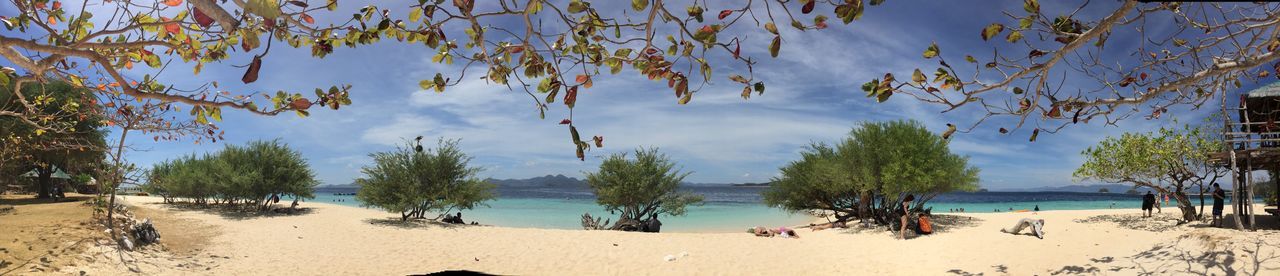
point(1195, 253)
point(941, 224)
point(415, 223)
point(20, 200)
point(235, 212)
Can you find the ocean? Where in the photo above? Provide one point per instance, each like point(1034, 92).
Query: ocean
point(728, 208)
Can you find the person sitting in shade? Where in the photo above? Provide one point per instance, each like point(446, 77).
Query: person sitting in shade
point(653, 225)
point(1037, 227)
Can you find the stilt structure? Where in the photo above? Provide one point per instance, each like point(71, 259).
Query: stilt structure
point(1251, 136)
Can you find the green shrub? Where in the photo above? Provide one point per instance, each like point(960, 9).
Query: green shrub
point(640, 188)
point(412, 181)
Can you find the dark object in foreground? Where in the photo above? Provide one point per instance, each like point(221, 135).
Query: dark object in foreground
point(456, 272)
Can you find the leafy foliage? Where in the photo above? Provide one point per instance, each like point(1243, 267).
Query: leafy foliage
point(25, 147)
point(550, 50)
point(412, 181)
point(251, 174)
point(877, 165)
point(642, 187)
point(1054, 69)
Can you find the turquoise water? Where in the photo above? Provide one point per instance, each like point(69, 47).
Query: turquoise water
point(731, 209)
point(567, 214)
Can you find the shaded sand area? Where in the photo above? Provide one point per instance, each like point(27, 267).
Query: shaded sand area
point(338, 240)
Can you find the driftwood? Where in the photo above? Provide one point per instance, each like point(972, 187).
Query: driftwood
point(590, 223)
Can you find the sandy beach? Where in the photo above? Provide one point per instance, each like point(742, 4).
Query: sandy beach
point(340, 240)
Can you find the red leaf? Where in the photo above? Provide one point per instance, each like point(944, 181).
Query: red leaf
point(737, 50)
point(297, 104)
point(516, 49)
point(173, 3)
point(571, 96)
point(565, 122)
point(582, 78)
point(1142, 76)
point(599, 141)
point(725, 13)
point(251, 75)
point(203, 19)
point(808, 7)
point(57, 5)
point(307, 18)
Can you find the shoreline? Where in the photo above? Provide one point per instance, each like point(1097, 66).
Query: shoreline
point(334, 239)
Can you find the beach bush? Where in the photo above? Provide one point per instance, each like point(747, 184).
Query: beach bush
point(414, 181)
point(257, 174)
point(640, 188)
point(868, 173)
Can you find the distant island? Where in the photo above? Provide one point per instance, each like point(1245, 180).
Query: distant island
point(766, 184)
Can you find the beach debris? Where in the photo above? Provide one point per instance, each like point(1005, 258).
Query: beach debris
point(145, 232)
point(589, 223)
point(669, 258)
point(684, 254)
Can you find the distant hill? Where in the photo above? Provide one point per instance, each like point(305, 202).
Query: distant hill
point(558, 180)
point(339, 186)
point(766, 184)
point(1094, 188)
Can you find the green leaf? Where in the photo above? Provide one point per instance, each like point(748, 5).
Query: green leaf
point(576, 6)
point(265, 8)
point(1031, 6)
point(932, 51)
point(970, 59)
point(639, 5)
point(775, 46)
point(759, 87)
point(415, 14)
point(1017, 91)
point(992, 30)
point(426, 84)
point(918, 77)
point(771, 28)
point(1013, 36)
point(1024, 23)
point(216, 113)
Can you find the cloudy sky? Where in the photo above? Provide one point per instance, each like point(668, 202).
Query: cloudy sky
point(813, 96)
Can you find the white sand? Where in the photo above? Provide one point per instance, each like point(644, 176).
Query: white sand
point(340, 240)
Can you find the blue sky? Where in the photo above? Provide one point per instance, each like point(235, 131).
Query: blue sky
point(813, 95)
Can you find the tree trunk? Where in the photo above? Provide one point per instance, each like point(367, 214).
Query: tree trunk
point(1201, 213)
point(1184, 204)
point(44, 182)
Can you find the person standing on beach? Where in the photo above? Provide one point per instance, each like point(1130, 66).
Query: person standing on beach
point(905, 211)
point(1159, 204)
point(1148, 202)
point(1218, 197)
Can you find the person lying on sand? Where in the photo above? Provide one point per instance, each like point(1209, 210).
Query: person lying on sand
point(761, 231)
point(825, 226)
point(1037, 227)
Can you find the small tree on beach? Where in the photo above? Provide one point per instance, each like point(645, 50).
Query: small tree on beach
point(1168, 161)
point(413, 181)
point(868, 173)
point(640, 188)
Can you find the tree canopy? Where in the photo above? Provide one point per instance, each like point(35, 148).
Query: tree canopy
point(880, 162)
point(1168, 161)
point(640, 188)
point(253, 174)
point(25, 147)
point(413, 181)
point(554, 50)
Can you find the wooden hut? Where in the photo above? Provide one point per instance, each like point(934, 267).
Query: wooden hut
point(1252, 142)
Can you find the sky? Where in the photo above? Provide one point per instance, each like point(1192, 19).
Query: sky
point(813, 95)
